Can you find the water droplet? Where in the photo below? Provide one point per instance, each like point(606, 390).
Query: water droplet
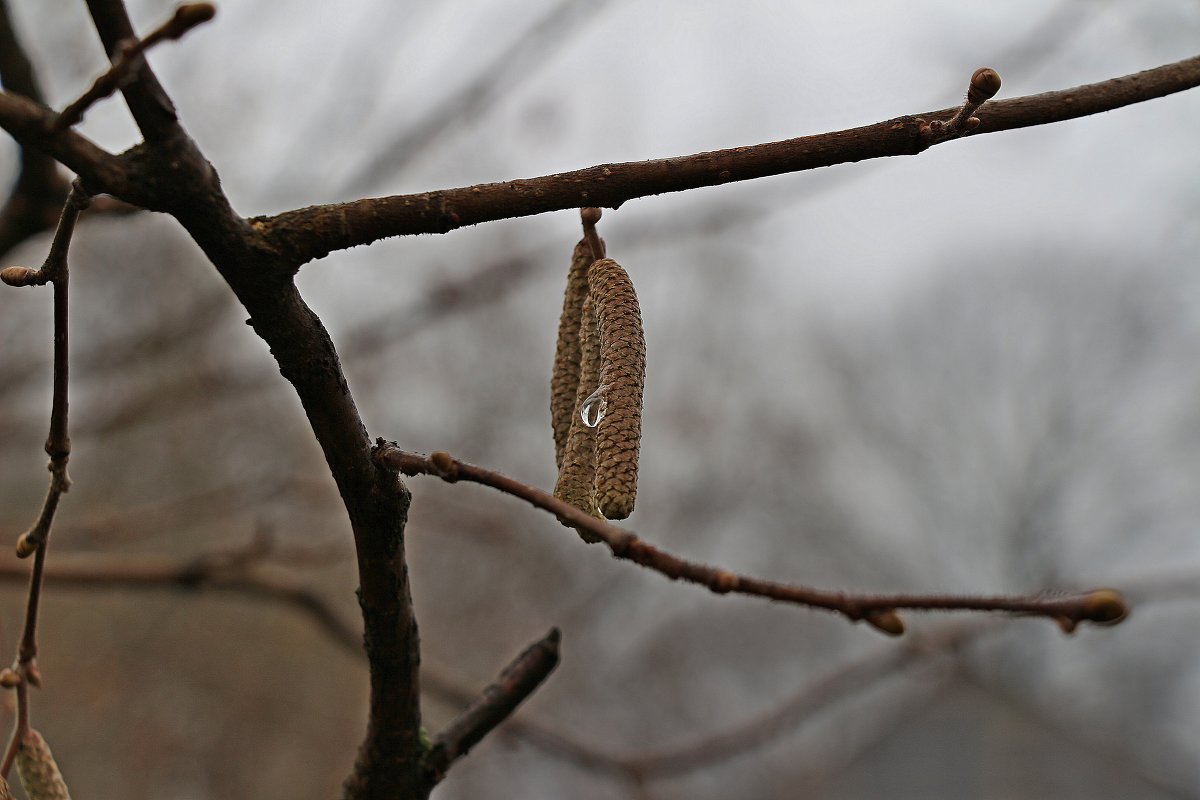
point(593, 408)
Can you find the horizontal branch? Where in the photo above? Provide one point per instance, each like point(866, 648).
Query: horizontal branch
point(214, 572)
point(313, 232)
point(1100, 606)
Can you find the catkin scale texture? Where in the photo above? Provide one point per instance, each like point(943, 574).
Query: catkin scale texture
point(577, 470)
point(564, 380)
point(623, 374)
point(38, 771)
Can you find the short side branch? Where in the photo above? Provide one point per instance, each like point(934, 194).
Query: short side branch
point(517, 682)
point(1100, 606)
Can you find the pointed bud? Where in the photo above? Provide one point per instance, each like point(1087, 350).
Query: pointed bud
point(885, 620)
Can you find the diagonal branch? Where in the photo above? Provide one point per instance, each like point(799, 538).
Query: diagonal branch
point(29, 123)
point(152, 109)
point(517, 682)
point(1100, 606)
point(129, 58)
point(316, 231)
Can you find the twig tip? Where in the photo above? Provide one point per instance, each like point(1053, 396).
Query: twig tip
point(1105, 607)
point(188, 16)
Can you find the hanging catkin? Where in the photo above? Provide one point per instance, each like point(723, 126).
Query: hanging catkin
point(38, 772)
point(564, 381)
point(622, 380)
point(577, 467)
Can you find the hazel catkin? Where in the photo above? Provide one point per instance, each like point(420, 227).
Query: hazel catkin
point(564, 380)
point(577, 467)
point(38, 771)
point(623, 378)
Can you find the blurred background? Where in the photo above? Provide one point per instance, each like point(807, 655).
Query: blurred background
point(973, 371)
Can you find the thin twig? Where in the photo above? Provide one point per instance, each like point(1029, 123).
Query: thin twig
point(516, 683)
point(58, 447)
point(129, 58)
point(1100, 606)
point(589, 217)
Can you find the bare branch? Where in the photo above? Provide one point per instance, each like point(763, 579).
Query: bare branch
point(316, 231)
point(29, 123)
point(58, 447)
point(1100, 606)
point(148, 102)
point(517, 682)
point(129, 59)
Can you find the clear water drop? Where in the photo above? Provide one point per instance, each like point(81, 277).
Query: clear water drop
point(593, 408)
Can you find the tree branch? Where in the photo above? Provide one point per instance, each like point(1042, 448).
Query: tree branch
point(58, 447)
point(1100, 606)
point(214, 572)
point(29, 123)
point(169, 173)
point(129, 58)
point(152, 109)
point(316, 231)
point(517, 682)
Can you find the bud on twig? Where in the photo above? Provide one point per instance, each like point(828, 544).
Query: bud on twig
point(22, 276)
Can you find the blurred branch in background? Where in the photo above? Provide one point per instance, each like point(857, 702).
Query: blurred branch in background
point(492, 81)
point(36, 198)
point(262, 571)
